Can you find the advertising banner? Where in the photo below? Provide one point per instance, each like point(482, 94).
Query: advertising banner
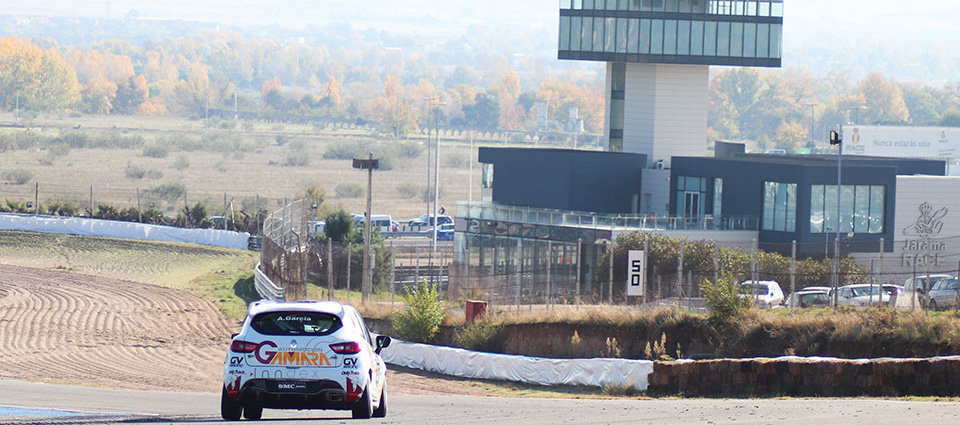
point(903, 142)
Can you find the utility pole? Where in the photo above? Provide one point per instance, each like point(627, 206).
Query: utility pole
point(369, 164)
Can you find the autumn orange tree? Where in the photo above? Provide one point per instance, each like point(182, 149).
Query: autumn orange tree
point(35, 79)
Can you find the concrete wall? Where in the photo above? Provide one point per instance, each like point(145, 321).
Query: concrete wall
point(796, 376)
point(665, 111)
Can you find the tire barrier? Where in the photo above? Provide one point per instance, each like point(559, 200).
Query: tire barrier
point(530, 370)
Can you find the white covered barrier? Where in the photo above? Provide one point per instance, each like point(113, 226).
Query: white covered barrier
point(532, 370)
point(122, 230)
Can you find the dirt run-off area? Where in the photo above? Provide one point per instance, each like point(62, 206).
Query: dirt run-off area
point(68, 328)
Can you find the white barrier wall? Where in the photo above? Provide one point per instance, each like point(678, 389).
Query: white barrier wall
point(122, 230)
point(532, 370)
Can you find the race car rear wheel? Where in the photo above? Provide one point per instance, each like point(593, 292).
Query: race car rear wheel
point(230, 409)
point(363, 409)
point(381, 410)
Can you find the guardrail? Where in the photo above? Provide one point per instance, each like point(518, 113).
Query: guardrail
point(266, 288)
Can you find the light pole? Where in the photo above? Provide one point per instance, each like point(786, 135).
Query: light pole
point(837, 139)
point(366, 285)
point(436, 176)
point(427, 109)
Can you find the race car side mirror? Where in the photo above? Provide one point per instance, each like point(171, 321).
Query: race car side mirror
point(383, 341)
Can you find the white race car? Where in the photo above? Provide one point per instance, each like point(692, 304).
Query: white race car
point(304, 355)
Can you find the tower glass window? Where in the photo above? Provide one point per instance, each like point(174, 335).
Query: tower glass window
point(704, 32)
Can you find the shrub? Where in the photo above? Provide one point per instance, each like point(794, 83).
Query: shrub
point(349, 190)
point(154, 174)
point(134, 172)
point(282, 139)
point(298, 154)
point(345, 149)
point(482, 336)
point(246, 126)
point(182, 162)
point(18, 176)
point(429, 194)
point(423, 314)
point(156, 150)
point(277, 127)
point(724, 301)
point(168, 191)
point(407, 190)
point(454, 161)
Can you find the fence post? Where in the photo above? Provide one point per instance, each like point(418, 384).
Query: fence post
point(645, 283)
point(91, 198)
point(36, 199)
point(716, 263)
point(139, 213)
point(393, 275)
point(610, 261)
point(793, 268)
point(680, 278)
point(518, 270)
point(329, 269)
point(349, 255)
point(579, 266)
point(549, 266)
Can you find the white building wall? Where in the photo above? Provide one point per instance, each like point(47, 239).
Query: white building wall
point(929, 238)
point(665, 111)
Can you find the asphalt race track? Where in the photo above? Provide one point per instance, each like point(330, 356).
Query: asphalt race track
point(93, 405)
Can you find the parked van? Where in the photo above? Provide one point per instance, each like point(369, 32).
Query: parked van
point(381, 222)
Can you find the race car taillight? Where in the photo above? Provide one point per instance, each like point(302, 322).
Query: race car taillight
point(239, 346)
point(345, 348)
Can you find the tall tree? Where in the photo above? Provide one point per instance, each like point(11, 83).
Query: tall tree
point(131, 95)
point(99, 95)
point(884, 100)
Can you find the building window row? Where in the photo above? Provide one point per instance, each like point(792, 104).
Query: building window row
point(670, 37)
point(766, 8)
point(860, 209)
point(780, 206)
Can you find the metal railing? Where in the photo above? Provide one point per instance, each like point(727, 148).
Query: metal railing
point(490, 211)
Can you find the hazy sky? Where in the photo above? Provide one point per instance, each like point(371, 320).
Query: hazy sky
point(912, 27)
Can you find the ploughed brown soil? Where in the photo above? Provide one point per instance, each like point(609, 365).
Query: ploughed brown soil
point(68, 328)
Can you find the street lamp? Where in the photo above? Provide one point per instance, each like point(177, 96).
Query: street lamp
point(837, 139)
point(436, 176)
point(427, 109)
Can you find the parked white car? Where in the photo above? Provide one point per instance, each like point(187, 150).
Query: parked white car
point(944, 294)
point(304, 355)
point(862, 294)
point(765, 293)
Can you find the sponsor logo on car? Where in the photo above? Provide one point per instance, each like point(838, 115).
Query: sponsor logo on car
point(268, 353)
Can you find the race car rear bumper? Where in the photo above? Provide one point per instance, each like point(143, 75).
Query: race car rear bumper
point(294, 394)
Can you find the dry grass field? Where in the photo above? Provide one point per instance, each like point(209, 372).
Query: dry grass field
point(242, 176)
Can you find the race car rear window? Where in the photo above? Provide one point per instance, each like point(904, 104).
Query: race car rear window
point(295, 323)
